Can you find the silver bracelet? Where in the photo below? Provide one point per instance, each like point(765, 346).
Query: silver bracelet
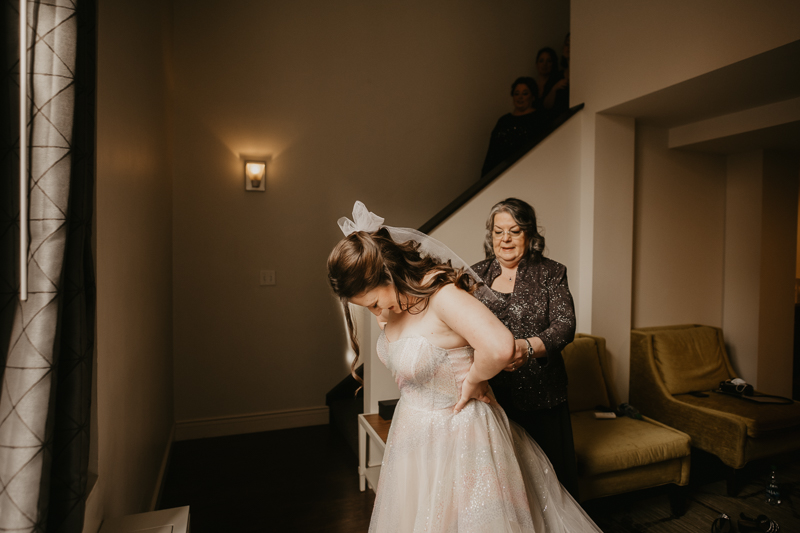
point(530, 351)
point(538, 362)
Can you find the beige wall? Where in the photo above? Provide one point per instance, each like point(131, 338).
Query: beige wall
point(612, 252)
point(679, 233)
point(388, 103)
point(743, 194)
point(624, 49)
point(797, 256)
point(760, 254)
point(134, 261)
point(620, 51)
point(776, 322)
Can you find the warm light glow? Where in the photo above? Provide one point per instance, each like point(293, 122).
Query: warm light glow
point(255, 172)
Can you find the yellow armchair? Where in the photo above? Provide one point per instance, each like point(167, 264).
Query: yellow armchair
point(622, 454)
point(670, 365)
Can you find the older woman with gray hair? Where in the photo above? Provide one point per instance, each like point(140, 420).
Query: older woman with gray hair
point(536, 305)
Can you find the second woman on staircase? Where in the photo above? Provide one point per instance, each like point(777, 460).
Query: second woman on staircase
point(516, 129)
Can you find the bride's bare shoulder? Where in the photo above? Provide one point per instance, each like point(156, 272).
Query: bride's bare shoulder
point(449, 295)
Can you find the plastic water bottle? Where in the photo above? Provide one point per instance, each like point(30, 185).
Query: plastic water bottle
point(773, 492)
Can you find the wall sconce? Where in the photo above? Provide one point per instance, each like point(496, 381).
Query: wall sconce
point(255, 176)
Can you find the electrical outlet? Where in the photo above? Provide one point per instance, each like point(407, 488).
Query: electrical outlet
point(267, 277)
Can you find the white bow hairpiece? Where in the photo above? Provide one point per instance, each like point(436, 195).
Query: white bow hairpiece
point(363, 220)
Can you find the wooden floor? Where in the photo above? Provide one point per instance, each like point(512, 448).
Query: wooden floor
point(648, 511)
point(306, 480)
point(303, 480)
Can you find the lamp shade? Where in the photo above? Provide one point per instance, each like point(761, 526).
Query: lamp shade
point(255, 176)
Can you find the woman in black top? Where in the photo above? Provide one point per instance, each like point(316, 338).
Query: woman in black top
point(536, 305)
point(550, 83)
point(516, 129)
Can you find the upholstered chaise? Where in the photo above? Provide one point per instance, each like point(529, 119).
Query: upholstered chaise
point(669, 363)
point(622, 454)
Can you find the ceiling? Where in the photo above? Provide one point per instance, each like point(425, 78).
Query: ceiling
point(770, 77)
point(773, 76)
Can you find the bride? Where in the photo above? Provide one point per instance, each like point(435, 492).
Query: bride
point(453, 462)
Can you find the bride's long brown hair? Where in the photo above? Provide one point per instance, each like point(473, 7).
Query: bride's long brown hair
point(364, 261)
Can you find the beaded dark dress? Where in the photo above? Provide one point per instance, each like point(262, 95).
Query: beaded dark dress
point(511, 133)
point(535, 395)
point(548, 115)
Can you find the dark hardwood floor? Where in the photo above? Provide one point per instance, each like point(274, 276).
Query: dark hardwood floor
point(303, 479)
point(706, 498)
point(306, 480)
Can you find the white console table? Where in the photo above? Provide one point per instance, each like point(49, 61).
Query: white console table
point(372, 432)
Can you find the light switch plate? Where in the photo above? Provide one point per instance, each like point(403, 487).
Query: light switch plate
point(267, 277)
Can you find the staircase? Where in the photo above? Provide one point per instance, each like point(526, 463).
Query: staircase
point(343, 402)
point(344, 406)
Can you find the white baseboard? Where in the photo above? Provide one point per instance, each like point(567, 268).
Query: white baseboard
point(163, 469)
point(202, 428)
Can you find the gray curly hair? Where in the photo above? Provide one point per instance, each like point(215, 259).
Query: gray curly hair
point(525, 216)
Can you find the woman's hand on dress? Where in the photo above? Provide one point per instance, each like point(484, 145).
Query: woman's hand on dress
point(469, 391)
point(520, 355)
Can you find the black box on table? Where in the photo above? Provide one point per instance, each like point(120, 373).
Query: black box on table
point(386, 408)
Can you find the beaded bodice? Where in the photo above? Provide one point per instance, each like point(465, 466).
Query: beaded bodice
point(429, 377)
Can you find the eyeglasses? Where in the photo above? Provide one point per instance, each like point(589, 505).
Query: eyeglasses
point(513, 233)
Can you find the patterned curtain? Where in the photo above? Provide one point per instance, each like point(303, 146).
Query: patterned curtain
point(46, 342)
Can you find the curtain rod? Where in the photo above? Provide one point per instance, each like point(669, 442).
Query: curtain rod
point(23, 150)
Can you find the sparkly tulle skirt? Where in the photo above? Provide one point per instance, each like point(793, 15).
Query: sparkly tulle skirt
point(470, 472)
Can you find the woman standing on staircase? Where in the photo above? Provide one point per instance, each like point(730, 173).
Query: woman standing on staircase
point(550, 83)
point(514, 130)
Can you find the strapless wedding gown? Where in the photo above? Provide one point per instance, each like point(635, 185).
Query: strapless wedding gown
point(468, 472)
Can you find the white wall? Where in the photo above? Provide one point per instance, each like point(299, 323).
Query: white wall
point(679, 233)
point(134, 259)
point(391, 104)
point(548, 179)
